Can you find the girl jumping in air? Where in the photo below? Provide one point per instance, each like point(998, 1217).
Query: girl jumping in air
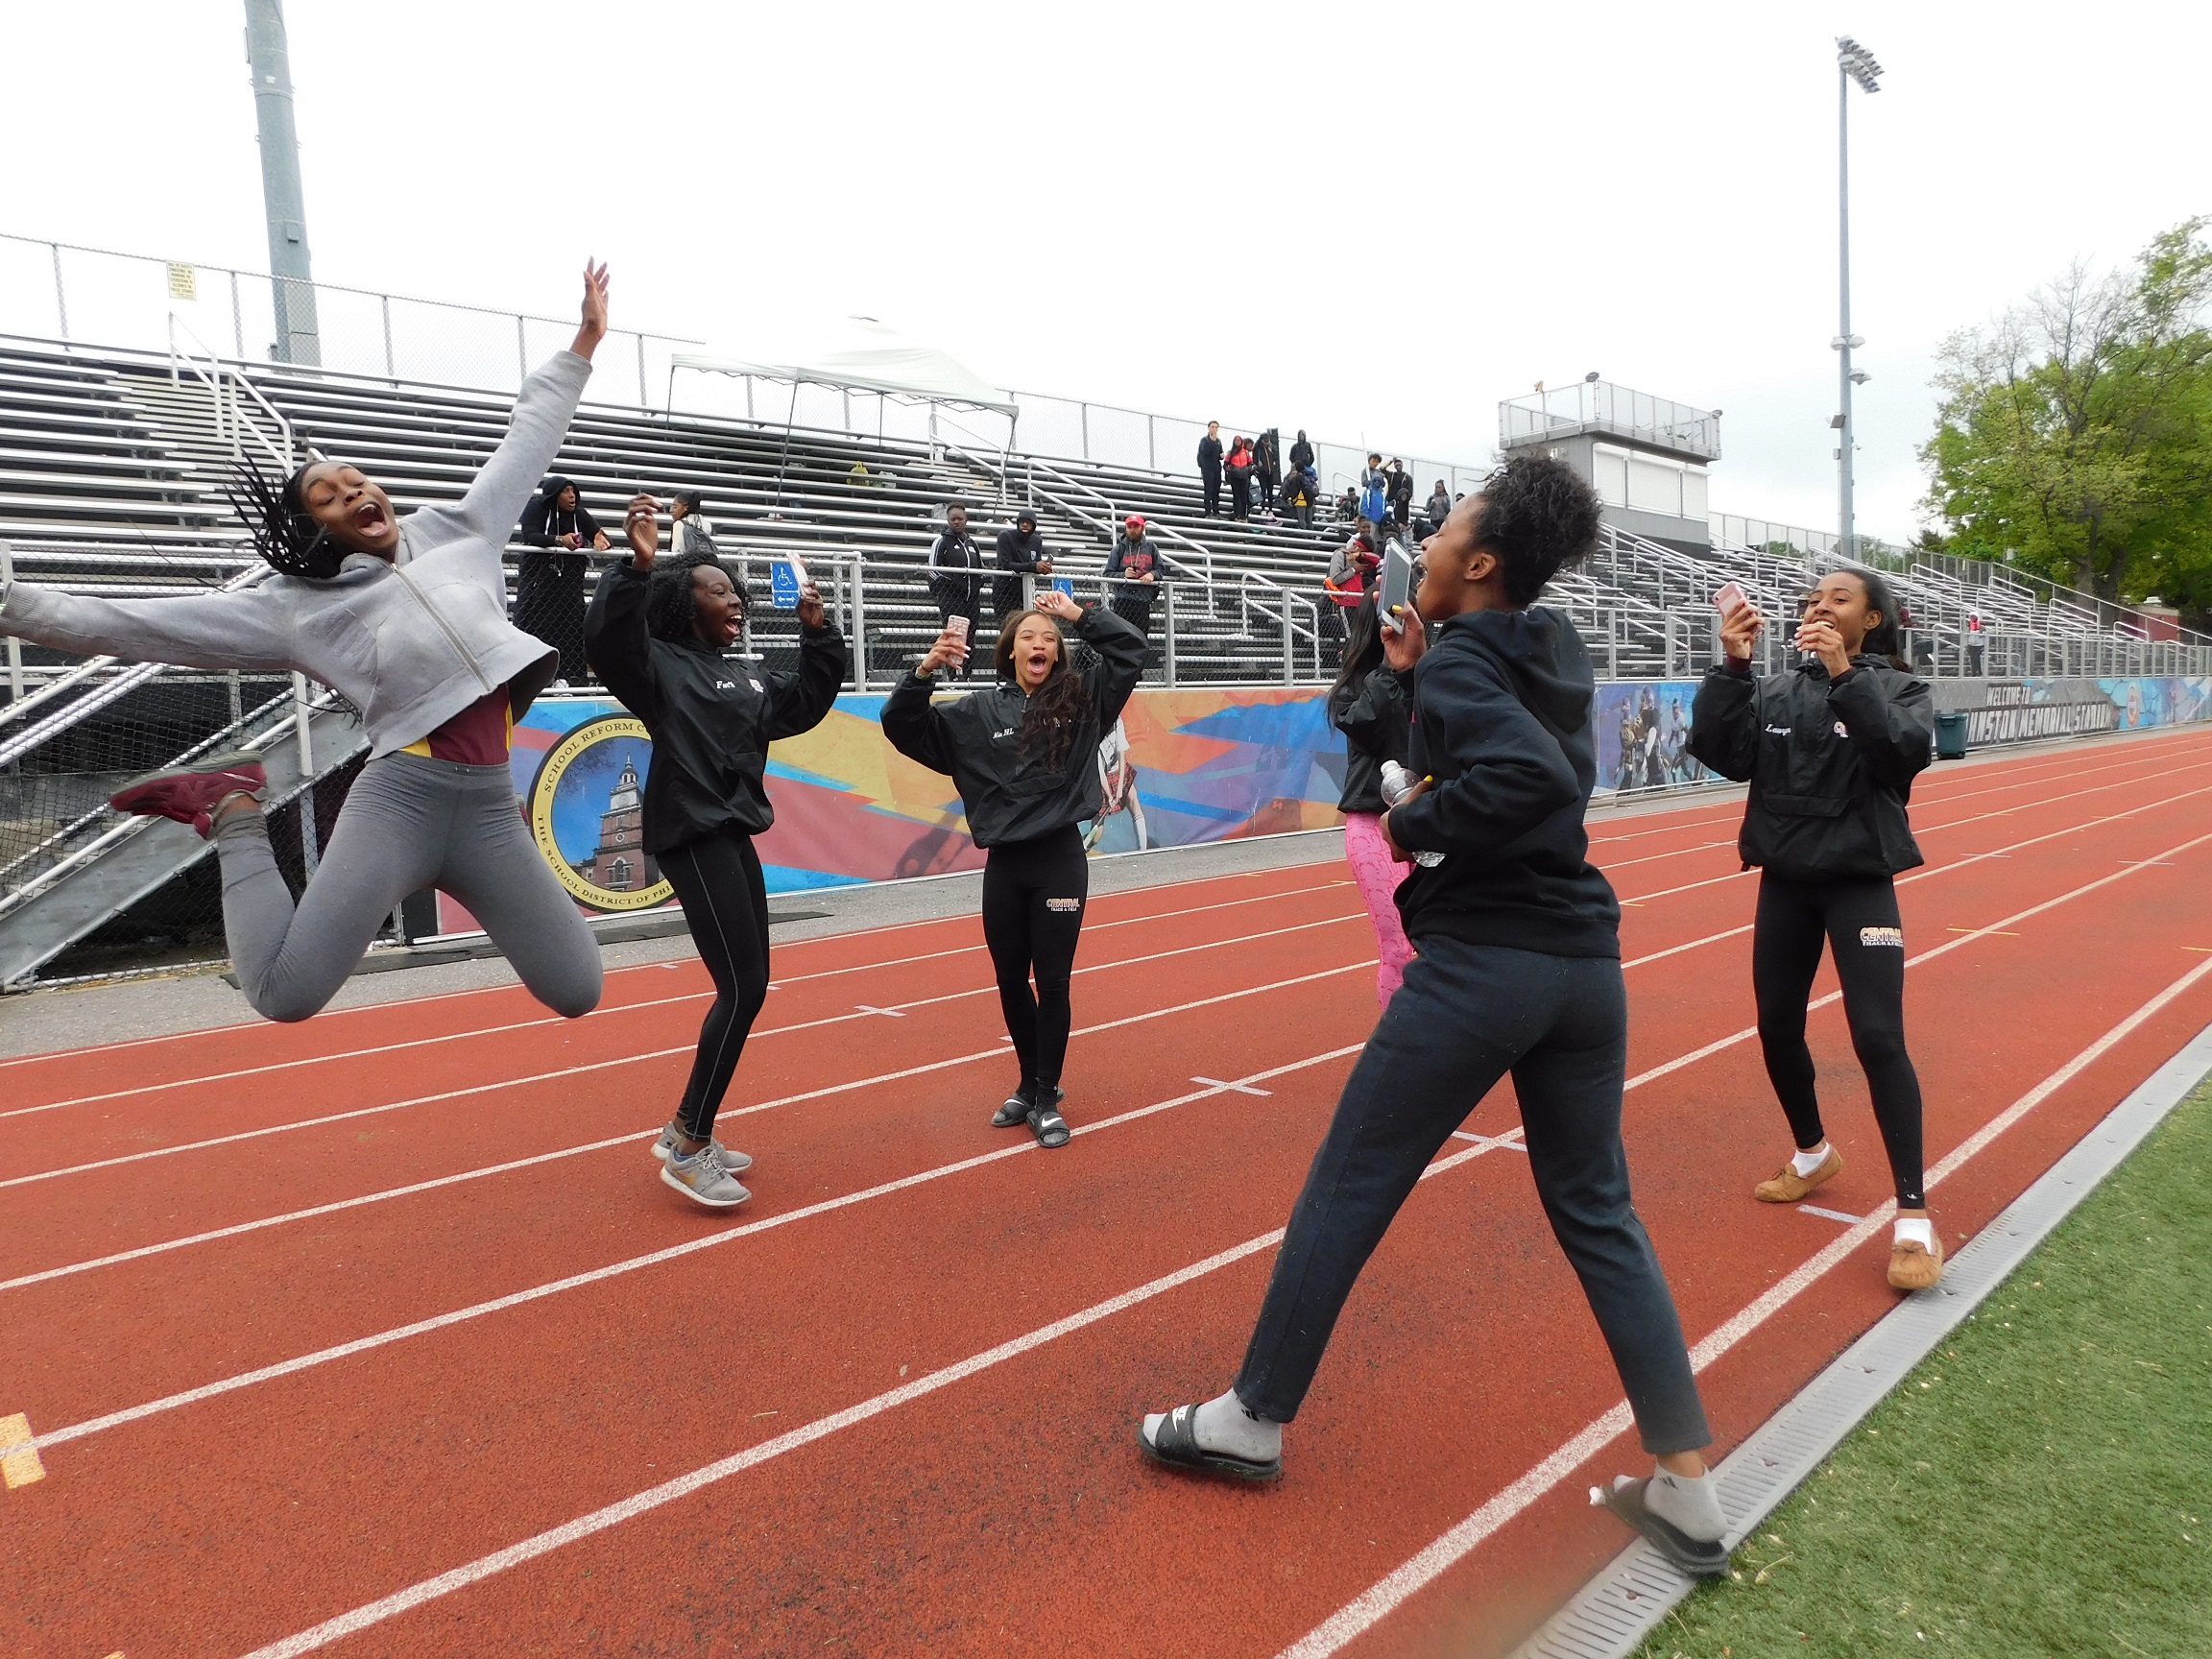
point(1830, 750)
point(1368, 704)
point(1022, 754)
point(657, 638)
point(406, 619)
point(1519, 971)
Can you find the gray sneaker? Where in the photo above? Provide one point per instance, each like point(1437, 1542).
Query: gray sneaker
point(664, 1148)
point(701, 1179)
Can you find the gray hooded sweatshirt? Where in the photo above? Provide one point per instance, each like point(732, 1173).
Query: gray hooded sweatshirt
point(411, 642)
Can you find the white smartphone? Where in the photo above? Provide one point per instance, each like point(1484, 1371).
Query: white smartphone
point(1397, 586)
point(1730, 599)
point(797, 570)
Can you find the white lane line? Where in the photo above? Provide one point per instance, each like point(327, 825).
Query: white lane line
point(889, 929)
point(231, 1076)
point(1239, 1087)
point(865, 1012)
point(1357, 1617)
point(638, 1263)
point(1926, 874)
point(1829, 1215)
point(753, 1457)
point(727, 1112)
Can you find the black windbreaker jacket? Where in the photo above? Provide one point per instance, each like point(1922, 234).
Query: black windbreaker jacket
point(1830, 763)
point(712, 717)
point(1375, 712)
point(1502, 721)
point(977, 740)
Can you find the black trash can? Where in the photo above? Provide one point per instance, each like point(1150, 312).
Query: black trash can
point(1950, 734)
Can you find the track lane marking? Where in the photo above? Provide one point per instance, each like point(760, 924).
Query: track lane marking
point(726, 1113)
point(1363, 1612)
point(651, 1259)
point(628, 1007)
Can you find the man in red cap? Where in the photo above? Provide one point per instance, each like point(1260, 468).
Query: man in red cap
point(1133, 575)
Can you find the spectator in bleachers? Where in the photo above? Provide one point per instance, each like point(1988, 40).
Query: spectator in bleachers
point(1298, 496)
point(1133, 575)
point(1240, 470)
point(1267, 467)
point(689, 535)
point(955, 572)
point(1210, 467)
point(1301, 455)
point(1974, 643)
point(1021, 553)
point(1374, 492)
point(1348, 506)
point(1439, 506)
point(549, 593)
point(1401, 493)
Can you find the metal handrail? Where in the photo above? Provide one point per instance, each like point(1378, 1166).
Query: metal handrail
point(226, 374)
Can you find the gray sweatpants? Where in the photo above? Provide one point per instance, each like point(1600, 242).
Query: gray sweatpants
point(408, 822)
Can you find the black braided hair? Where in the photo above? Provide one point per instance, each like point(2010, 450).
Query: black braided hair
point(1538, 514)
point(668, 602)
point(1057, 709)
point(284, 533)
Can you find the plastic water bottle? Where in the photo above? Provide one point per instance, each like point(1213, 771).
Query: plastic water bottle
point(1397, 784)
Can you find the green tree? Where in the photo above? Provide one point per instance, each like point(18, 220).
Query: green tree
point(2075, 435)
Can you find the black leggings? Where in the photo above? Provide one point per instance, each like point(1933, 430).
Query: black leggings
point(1857, 916)
point(1033, 894)
point(717, 881)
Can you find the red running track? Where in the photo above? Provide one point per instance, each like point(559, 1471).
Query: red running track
point(377, 1334)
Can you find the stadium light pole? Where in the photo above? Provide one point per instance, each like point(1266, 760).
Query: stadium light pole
point(1853, 62)
point(291, 282)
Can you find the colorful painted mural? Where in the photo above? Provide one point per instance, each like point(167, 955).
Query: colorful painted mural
point(1181, 767)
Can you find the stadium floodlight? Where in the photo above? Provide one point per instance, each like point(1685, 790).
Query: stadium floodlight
point(1853, 62)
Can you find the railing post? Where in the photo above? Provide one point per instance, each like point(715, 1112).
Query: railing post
point(310, 853)
point(1289, 672)
point(60, 293)
point(1151, 444)
point(1167, 634)
point(521, 347)
point(14, 645)
point(238, 321)
point(1084, 416)
point(859, 619)
point(389, 373)
point(641, 397)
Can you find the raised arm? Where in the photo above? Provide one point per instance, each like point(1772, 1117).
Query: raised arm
point(1119, 645)
point(617, 643)
point(799, 701)
point(1724, 721)
point(542, 410)
point(1892, 732)
point(915, 727)
point(1510, 772)
point(247, 628)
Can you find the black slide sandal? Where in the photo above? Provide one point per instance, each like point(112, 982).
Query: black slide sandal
point(1050, 1127)
point(1015, 1112)
point(1699, 1558)
point(1178, 1448)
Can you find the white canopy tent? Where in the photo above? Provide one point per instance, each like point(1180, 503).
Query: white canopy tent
point(874, 359)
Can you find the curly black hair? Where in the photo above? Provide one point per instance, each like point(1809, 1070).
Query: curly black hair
point(285, 533)
point(668, 595)
point(1538, 516)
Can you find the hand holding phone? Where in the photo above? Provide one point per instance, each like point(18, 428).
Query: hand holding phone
point(1397, 590)
point(1730, 599)
point(957, 627)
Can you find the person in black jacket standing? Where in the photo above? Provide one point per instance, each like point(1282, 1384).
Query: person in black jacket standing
point(955, 566)
point(1518, 970)
point(1830, 750)
point(1023, 754)
point(1368, 704)
point(549, 590)
point(1210, 467)
point(658, 639)
point(1267, 467)
point(1021, 553)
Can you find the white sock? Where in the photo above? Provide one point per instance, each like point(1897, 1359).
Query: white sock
point(1223, 1425)
point(1805, 1163)
point(1692, 1505)
point(1918, 1230)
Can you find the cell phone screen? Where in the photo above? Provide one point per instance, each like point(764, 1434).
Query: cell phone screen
point(1397, 585)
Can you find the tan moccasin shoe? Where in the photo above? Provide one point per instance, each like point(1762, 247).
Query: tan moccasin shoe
point(1786, 1185)
point(1912, 1267)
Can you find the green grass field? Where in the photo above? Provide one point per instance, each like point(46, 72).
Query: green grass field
point(2041, 1485)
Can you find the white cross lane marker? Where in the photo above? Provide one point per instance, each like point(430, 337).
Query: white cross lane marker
point(1239, 1087)
point(887, 1012)
point(1494, 1142)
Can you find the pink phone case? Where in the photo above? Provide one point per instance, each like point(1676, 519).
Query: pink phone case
point(1730, 600)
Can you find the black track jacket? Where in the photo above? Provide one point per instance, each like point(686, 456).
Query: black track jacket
point(712, 717)
point(1502, 721)
point(1830, 763)
point(977, 740)
point(1376, 716)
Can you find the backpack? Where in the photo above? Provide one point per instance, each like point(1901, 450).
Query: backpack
point(1375, 501)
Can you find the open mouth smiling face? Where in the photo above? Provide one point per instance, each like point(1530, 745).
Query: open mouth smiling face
point(1036, 648)
point(353, 512)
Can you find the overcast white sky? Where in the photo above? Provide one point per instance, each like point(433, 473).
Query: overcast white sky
point(1372, 221)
